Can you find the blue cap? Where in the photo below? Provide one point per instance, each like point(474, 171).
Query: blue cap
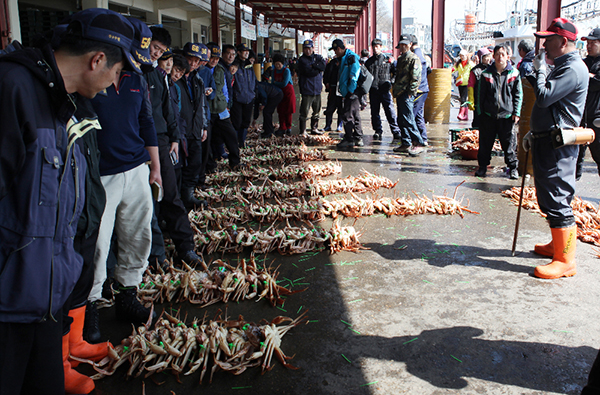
point(100, 24)
point(242, 47)
point(308, 44)
point(140, 45)
point(167, 54)
point(198, 50)
point(215, 51)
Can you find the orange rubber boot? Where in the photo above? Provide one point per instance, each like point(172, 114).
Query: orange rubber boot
point(563, 263)
point(545, 249)
point(75, 382)
point(80, 348)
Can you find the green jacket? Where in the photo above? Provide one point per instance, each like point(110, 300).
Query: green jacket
point(408, 74)
point(219, 103)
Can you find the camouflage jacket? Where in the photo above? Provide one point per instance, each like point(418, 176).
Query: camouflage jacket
point(408, 74)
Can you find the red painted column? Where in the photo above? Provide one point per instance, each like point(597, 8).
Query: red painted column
point(365, 28)
point(547, 11)
point(255, 42)
point(397, 25)
point(216, 31)
point(238, 23)
point(373, 22)
point(437, 34)
point(267, 52)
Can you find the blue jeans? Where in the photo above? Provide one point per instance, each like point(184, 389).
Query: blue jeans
point(409, 132)
point(419, 111)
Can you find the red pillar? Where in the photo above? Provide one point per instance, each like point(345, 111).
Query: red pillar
point(437, 34)
point(397, 25)
point(547, 11)
point(365, 28)
point(255, 42)
point(267, 52)
point(373, 21)
point(216, 31)
point(238, 23)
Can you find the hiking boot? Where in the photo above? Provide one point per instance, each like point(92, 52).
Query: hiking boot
point(513, 174)
point(377, 137)
point(91, 327)
point(129, 308)
point(416, 150)
point(480, 172)
point(402, 148)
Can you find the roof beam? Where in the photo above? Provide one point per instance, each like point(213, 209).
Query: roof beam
point(351, 3)
point(280, 8)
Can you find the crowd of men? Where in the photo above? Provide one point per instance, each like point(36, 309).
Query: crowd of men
point(107, 131)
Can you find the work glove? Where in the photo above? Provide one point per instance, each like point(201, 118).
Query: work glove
point(539, 62)
point(527, 141)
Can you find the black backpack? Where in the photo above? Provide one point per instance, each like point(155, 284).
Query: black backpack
point(365, 80)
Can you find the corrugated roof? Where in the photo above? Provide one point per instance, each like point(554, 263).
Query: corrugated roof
point(318, 16)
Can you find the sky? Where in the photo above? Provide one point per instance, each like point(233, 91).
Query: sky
point(495, 10)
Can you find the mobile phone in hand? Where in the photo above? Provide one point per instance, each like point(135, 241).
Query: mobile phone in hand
point(174, 158)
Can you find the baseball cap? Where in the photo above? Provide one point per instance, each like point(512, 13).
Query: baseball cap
point(140, 45)
point(242, 47)
point(559, 27)
point(191, 49)
point(100, 24)
point(337, 43)
point(215, 51)
point(482, 52)
point(308, 44)
point(594, 35)
point(404, 39)
point(167, 54)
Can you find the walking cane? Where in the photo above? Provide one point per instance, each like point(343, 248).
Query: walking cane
point(514, 246)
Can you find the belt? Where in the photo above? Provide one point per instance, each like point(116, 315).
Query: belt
point(540, 135)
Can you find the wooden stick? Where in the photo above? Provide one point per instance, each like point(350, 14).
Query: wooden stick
point(514, 246)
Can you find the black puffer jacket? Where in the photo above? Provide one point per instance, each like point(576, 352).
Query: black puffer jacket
point(382, 68)
point(592, 103)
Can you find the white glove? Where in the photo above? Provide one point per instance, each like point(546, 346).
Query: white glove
point(539, 62)
point(527, 141)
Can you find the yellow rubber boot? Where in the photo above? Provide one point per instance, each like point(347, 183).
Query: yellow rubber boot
point(75, 382)
point(77, 346)
point(563, 263)
point(545, 249)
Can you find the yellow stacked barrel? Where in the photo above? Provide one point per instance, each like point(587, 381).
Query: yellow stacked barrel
point(528, 102)
point(437, 105)
point(257, 71)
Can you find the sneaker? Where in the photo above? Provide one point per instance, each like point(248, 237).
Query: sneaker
point(129, 308)
point(326, 129)
point(265, 135)
point(513, 174)
point(91, 327)
point(316, 132)
point(279, 133)
point(416, 150)
point(377, 137)
point(397, 137)
point(425, 143)
point(345, 144)
point(480, 172)
point(359, 143)
point(402, 148)
point(288, 132)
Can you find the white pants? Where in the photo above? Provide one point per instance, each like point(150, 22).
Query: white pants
point(128, 213)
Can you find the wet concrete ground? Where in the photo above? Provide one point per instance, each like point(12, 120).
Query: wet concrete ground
point(452, 313)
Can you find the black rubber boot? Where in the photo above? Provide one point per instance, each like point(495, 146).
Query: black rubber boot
point(129, 308)
point(91, 324)
point(190, 201)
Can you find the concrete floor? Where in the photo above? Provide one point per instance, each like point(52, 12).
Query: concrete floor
point(453, 313)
